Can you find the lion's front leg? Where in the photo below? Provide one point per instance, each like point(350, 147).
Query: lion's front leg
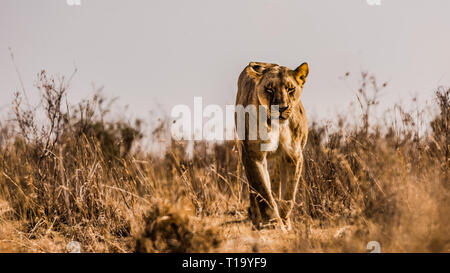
point(291, 169)
point(263, 208)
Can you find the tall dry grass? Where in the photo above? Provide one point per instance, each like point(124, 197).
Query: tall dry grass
point(74, 172)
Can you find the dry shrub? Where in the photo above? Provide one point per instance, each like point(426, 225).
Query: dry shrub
point(391, 184)
point(168, 229)
point(78, 175)
point(66, 172)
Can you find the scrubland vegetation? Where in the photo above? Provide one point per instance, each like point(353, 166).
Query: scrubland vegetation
point(74, 172)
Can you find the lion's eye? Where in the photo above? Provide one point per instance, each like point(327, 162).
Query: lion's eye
point(291, 90)
point(269, 90)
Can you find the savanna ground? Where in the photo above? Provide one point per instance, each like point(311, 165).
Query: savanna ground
point(77, 173)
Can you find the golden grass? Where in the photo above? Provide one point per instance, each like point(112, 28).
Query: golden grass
point(76, 177)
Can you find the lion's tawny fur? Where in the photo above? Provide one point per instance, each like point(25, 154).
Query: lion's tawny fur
point(271, 202)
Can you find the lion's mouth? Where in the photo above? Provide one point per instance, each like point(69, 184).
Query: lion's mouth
point(285, 115)
point(283, 120)
point(281, 116)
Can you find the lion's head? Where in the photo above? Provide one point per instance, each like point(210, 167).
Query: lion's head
point(278, 85)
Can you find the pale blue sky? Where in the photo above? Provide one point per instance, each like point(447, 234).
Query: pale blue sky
point(169, 51)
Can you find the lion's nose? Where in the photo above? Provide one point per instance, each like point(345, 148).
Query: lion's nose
point(282, 109)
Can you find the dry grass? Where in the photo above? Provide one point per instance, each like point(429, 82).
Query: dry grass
point(74, 175)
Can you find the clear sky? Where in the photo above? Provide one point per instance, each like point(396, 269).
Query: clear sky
point(167, 51)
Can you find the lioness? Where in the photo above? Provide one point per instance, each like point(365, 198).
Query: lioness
point(267, 85)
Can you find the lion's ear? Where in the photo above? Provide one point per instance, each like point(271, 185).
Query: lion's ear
point(255, 69)
point(301, 73)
